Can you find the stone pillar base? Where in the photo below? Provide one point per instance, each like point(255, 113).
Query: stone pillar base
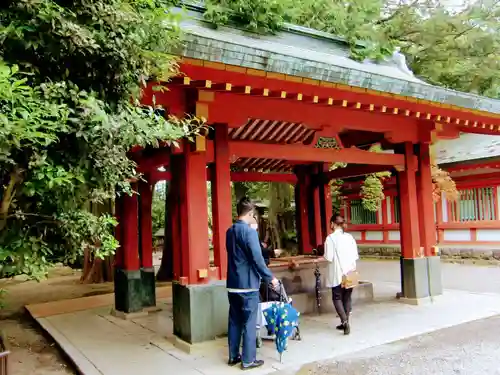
point(435, 277)
point(421, 279)
point(200, 311)
point(128, 291)
point(148, 287)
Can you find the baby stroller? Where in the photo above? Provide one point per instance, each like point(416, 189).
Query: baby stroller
point(269, 296)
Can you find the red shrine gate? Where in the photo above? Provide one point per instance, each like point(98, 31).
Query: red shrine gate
point(272, 127)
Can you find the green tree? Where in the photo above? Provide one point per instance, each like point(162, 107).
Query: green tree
point(453, 47)
point(71, 74)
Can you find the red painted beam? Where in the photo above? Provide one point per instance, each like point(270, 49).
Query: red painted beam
point(161, 157)
point(263, 177)
point(354, 171)
point(156, 176)
point(244, 149)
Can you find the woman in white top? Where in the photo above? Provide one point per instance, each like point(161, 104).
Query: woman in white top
point(341, 251)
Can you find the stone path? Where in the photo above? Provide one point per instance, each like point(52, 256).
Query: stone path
point(468, 349)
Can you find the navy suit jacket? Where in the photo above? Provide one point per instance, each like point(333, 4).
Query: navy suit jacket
point(245, 263)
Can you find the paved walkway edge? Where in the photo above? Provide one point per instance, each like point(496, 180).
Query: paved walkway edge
point(81, 363)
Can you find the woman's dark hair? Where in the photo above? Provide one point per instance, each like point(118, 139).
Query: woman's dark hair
point(244, 206)
point(338, 220)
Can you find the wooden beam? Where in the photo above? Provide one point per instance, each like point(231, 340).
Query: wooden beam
point(156, 176)
point(161, 157)
point(244, 149)
point(354, 171)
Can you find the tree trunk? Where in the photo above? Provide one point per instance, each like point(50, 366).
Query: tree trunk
point(279, 201)
point(166, 270)
point(97, 270)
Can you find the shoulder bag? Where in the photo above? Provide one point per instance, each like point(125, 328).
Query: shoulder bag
point(349, 280)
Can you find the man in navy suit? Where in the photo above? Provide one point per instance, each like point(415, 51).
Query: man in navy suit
point(245, 269)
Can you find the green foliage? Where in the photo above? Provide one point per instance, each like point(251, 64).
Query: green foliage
point(67, 121)
point(372, 193)
point(372, 190)
point(158, 206)
point(336, 193)
point(104, 46)
point(264, 16)
point(280, 197)
point(257, 190)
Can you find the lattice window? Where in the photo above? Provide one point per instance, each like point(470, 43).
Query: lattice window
point(475, 204)
point(360, 215)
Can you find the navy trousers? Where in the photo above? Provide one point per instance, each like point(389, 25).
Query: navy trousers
point(243, 310)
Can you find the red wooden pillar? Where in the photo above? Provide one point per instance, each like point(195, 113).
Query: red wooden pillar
point(425, 201)
point(326, 203)
point(128, 281)
point(130, 232)
point(302, 210)
point(318, 240)
point(221, 197)
point(146, 244)
point(146, 224)
point(409, 226)
point(194, 214)
point(174, 203)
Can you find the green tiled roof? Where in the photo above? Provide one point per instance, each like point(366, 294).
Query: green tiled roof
point(312, 54)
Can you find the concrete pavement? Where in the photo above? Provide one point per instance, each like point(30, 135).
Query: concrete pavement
point(471, 278)
point(467, 349)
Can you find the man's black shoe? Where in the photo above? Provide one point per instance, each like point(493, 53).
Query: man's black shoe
point(234, 361)
point(255, 364)
point(340, 327)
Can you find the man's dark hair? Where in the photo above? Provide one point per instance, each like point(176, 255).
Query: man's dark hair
point(244, 206)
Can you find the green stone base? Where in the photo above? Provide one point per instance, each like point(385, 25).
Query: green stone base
point(435, 276)
point(148, 287)
point(128, 291)
point(421, 278)
point(200, 311)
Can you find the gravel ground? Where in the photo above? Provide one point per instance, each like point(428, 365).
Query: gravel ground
point(468, 349)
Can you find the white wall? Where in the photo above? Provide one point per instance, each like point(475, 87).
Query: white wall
point(356, 235)
point(490, 235)
point(374, 235)
point(457, 235)
point(394, 235)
